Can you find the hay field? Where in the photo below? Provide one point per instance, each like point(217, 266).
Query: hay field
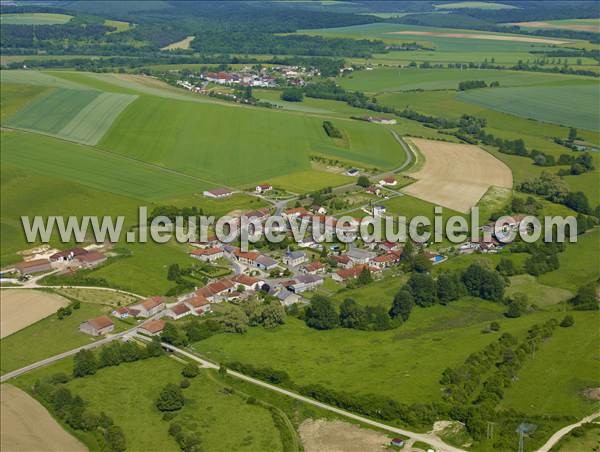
point(21, 308)
point(34, 19)
point(592, 25)
point(183, 44)
point(74, 115)
point(483, 36)
point(338, 436)
point(456, 175)
point(27, 426)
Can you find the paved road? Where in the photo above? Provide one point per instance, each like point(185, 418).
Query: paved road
point(565, 430)
point(429, 438)
point(45, 362)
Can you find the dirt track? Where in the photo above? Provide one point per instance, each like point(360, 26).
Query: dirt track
point(20, 308)
point(26, 426)
point(456, 175)
point(483, 36)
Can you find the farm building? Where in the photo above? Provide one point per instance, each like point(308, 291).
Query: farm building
point(360, 256)
point(207, 254)
point(378, 211)
point(288, 298)
point(314, 267)
point(217, 290)
point(97, 326)
point(294, 258)
point(67, 255)
point(347, 274)
point(198, 304)
point(153, 327)
point(218, 193)
point(389, 181)
point(295, 212)
point(178, 311)
point(385, 260)
point(120, 313)
point(303, 283)
point(247, 282)
point(91, 259)
point(342, 261)
point(150, 306)
point(265, 263)
point(34, 266)
point(261, 188)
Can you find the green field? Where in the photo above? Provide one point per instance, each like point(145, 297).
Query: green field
point(235, 145)
point(404, 364)
point(553, 382)
point(95, 168)
point(475, 5)
point(74, 115)
point(34, 19)
point(405, 79)
point(127, 394)
point(570, 105)
point(49, 337)
point(14, 96)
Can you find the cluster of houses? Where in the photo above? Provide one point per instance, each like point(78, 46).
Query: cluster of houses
point(492, 241)
point(74, 257)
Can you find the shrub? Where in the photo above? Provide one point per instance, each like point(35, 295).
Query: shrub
point(567, 321)
point(170, 398)
point(190, 370)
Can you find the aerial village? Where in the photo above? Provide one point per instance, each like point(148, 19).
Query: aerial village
point(290, 275)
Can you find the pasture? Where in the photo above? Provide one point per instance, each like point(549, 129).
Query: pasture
point(21, 308)
point(95, 168)
point(15, 96)
point(474, 5)
point(223, 419)
point(309, 181)
point(456, 175)
point(27, 425)
point(554, 381)
point(571, 105)
point(564, 24)
point(482, 36)
point(404, 79)
point(237, 146)
point(34, 19)
point(74, 115)
point(403, 364)
point(183, 44)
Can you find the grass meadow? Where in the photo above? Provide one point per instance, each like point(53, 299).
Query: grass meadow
point(15, 96)
point(127, 394)
point(49, 337)
point(34, 19)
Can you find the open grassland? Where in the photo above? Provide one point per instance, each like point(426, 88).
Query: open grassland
point(538, 294)
point(21, 308)
point(309, 181)
point(565, 24)
point(474, 5)
point(572, 105)
point(588, 441)
point(456, 175)
point(27, 426)
point(238, 145)
point(483, 36)
point(579, 263)
point(404, 364)
point(75, 115)
point(118, 24)
point(554, 381)
point(15, 96)
point(94, 168)
point(37, 78)
point(127, 394)
point(49, 337)
point(183, 44)
point(97, 296)
point(34, 19)
point(406, 79)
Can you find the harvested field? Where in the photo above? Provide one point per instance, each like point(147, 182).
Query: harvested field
point(332, 436)
point(456, 175)
point(488, 37)
point(27, 426)
point(183, 44)
point(21, 308)
point(558, 25)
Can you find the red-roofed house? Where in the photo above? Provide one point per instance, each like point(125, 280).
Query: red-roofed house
point(121, 313)
point(34, 266)
point(261, 188)
point(388, 180)
point(178, 311)
point(207, 254)
point(248, 282)
point(198, 304)
point(342, 261)
point(153, 327)
point(385, 260)
point(91, 259)
point(150, 306)
point(314, 267)
point(347, 274)
point(96, 327)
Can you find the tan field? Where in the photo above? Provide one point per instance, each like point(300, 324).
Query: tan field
point(334, 436)
point(489, 37)
point(456, 175)
point(20, 308)
point(581, 27)
point(27, 426)
point(183, 44)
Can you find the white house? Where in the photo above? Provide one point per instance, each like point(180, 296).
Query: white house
point(178, 311)
point(149, 307)
point(218, 193)
point(261, 188)
point(288, 298)
point(207, 254)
